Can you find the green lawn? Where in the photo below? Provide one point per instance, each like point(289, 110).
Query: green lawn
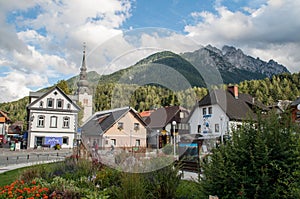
point(8, 177)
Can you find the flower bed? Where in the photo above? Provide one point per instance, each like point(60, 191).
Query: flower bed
point(18, 190)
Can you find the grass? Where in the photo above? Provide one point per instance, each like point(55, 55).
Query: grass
point(8, 177)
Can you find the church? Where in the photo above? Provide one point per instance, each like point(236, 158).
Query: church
point(53, 115)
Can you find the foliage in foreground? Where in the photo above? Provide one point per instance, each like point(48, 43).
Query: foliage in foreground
point(85, 179)
point(261, 161)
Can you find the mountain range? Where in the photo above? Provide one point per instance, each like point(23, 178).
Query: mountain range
point(205, 66)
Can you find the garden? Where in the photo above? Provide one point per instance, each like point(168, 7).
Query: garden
point(80, 178)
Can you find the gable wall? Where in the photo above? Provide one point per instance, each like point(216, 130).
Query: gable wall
point(197, 118)
point(55, 98)
point(127, 136)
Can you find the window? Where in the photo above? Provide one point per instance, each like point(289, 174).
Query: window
point(41, 104)
point(66, 122)
point(53, 122)
point(39, 141)
point(113, 142)
point(136, 126)
point(120, 125)
point(60, 103)
point(210, 110)
point(204, 111)
point(137, 142)
point(40, 121)
point(181, 115)
point(199, 128)
point(50, 103)
point(68, 106)
point(65, 140)
point(217, 128)
point(85, 102)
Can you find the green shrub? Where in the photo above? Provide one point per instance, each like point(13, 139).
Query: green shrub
point(38, 171)
point(57, 147)
point(107, 177)
point(188, 190)
point(163, 183)
point(132, 186)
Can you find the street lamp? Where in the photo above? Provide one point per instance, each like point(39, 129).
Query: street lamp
point(78, 148)
point(174, 144)
point(221, 120)
point(157, 139)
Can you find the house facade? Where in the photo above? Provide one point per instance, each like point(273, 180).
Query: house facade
point(4, 124)
point(116, 128)
point(163, 123)
point(52, 119)
point(219, 113)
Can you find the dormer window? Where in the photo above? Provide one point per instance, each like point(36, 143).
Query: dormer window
point(50, 103)
point(41, 104)
point(68, 106)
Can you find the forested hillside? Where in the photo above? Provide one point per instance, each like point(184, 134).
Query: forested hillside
point(269, 90)
point(111, 95)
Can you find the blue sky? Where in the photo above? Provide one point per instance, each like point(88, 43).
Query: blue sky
point(41, 41)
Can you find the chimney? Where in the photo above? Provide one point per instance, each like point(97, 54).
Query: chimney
point(234, 91)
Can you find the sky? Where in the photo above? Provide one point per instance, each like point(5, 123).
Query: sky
point(41, 41)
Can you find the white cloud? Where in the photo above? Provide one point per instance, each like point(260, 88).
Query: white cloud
point(16, 85)
point(51, 42)
point(270, 27)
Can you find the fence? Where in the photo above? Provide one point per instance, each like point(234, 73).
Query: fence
point(6, 160)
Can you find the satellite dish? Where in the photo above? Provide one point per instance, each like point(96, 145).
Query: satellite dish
point(298, 107)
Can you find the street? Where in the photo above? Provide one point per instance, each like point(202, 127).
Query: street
point(30, 156)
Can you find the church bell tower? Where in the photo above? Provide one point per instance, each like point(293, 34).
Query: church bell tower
point(85, 96)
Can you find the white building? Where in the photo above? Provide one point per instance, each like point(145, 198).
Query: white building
point(221, 111)
point(52, 118)
point(53, 115)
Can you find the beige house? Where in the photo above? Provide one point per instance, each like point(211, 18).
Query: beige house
point(116, 128)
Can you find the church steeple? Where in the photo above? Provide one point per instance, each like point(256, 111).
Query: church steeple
point(83, 84)
point(84, 94)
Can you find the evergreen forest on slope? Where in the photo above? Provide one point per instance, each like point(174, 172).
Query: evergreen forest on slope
point(111, 95)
